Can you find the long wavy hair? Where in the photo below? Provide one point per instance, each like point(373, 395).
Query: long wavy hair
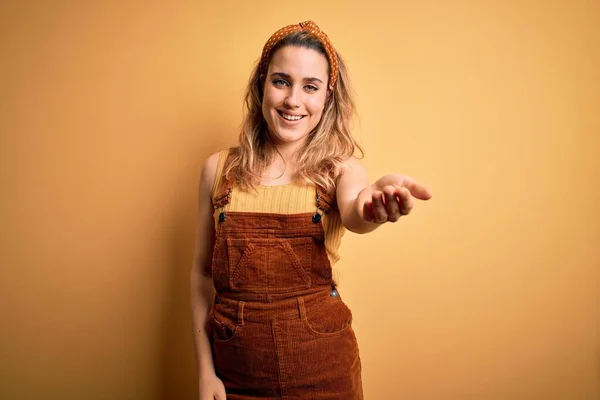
point(329, 144)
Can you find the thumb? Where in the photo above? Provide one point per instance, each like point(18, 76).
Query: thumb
point(220, 394)
point(418, 191)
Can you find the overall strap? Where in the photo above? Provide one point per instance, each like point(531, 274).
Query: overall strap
point(224, 184)
point(325, 200)
point(325, 203)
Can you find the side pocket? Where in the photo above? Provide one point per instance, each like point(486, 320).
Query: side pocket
point(222, 330)
point(333, 319)
point(228, 347)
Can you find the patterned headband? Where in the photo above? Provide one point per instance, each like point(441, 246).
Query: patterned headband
point(308, 27)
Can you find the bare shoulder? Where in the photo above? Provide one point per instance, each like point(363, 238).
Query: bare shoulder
point(352, 179)
point(209, 171)
point(352, 166)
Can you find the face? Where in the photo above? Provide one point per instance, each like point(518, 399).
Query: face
point(294, 94)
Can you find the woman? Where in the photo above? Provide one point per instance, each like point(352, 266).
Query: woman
point(268, 320)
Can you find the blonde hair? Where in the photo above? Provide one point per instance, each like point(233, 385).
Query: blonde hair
point(328, 145)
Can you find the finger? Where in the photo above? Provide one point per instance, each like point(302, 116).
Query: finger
point(405, 201)
point(391, 204)
point(378, 207)
point(368, 212)
point(417, 190)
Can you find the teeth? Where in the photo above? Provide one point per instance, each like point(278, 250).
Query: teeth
point(291, 117)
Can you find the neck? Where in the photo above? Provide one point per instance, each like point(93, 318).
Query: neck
point(287, 151)
point(283, 164)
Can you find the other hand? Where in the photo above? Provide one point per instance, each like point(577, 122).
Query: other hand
point(212, 388)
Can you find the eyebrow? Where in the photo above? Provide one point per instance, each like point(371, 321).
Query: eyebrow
point(286, 76)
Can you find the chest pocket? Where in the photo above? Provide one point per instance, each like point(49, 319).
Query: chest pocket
point(269, 265)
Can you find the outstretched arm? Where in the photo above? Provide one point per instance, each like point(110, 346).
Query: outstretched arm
point(364, 206)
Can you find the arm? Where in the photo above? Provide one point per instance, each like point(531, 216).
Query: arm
point(201, 286)
point(364, 207)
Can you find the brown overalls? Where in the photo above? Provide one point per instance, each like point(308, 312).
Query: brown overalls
point(279, 328)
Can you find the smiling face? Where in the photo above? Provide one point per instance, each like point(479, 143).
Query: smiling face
point(294, 94)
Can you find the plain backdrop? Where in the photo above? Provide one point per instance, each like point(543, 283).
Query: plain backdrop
point(490, 291)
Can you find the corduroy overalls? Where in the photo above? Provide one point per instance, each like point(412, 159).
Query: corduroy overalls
point(279, 328)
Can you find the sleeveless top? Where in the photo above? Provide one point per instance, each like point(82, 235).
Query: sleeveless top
point(291, 198)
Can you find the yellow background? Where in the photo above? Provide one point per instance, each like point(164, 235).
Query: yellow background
point(489, 291)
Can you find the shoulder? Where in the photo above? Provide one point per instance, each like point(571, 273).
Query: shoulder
point(351, 167)
point(209, 171)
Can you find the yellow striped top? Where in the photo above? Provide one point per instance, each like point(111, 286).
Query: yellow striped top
point(291, 198)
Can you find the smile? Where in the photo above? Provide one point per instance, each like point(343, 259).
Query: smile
point(289, 117)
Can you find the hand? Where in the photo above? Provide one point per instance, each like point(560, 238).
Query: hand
point(211, 388)
point(390, 197)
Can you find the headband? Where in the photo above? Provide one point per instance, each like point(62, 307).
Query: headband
point(311, 28)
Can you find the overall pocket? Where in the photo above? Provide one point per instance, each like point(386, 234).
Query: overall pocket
point(222, 328)
point(269, 265)
point(331, 319)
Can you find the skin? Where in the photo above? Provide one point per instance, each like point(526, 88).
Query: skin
point(296, 84)
point(202, 288)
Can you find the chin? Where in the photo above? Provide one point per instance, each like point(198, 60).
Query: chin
point(283, 138)
point(288, 135)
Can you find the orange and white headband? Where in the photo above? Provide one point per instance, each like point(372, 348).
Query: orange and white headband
point(308, 27)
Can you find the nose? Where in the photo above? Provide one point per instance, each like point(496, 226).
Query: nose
point(292, 99)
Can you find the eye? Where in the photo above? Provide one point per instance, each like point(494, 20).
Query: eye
point(311, 88)
point(280, 82)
